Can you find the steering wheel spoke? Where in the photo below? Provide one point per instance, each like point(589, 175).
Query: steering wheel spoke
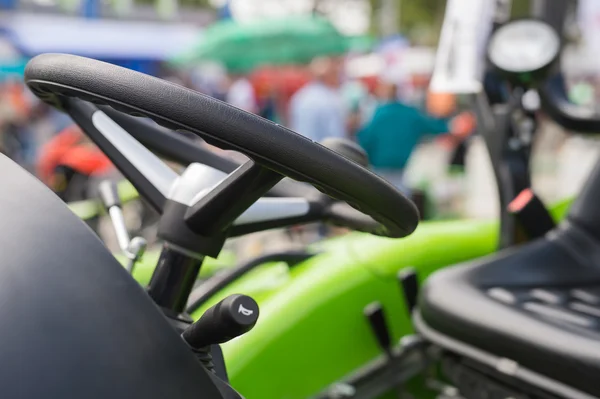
point(148, 173)
point(162, 141)
point(217, 210)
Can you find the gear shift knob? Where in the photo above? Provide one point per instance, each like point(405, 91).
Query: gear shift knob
point(230, 318)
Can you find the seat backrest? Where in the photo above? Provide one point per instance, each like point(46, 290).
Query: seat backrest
point(585, 211)
point(74, 323)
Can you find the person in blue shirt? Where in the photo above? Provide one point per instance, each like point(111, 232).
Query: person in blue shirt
point(396, 129)
point(317, 110)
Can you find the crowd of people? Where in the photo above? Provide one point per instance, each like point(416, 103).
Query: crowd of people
point(46, 142)
point(379, 119)
point(26, 123)
point(385, 126)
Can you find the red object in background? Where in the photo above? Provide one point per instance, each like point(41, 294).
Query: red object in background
point(87, 160)
point(286, 80)
point(520, 201)
point(371, 82)
point(420, 81)
point(464, 124)
point(17, 98)
point(461, 126)
point(282, 81)
point(67, 148)
point(52, 152)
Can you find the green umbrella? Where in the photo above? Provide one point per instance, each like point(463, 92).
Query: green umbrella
point(361, 44)
point(245, 46)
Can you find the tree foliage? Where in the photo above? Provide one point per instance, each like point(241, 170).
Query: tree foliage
point(415, 15)
point(418, 13)
point(189, 3)
point(412, 14)
point(197, 3)
point(521, 8)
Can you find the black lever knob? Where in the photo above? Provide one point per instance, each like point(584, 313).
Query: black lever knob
point(376, 317)
point(348, 149)
point(230, 318)
point(109, 194)
point(409, 283)
point(532, 214)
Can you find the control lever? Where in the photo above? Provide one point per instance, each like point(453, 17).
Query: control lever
point(133, 249)
point(376, 317)
point(230, 318)
point(531, 213)
point(409, 284)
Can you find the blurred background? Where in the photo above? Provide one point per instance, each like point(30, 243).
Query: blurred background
point(275, 58)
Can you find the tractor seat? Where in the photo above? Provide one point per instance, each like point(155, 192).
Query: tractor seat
point(532, 312)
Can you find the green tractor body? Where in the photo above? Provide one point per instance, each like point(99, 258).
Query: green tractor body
point(312, 331)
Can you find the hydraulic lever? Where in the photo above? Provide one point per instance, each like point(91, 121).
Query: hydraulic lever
point(228, 319)
point(531, 213)
point(133, 249)
point(376, 317)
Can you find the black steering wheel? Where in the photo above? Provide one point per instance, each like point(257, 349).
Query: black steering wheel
point(60, 80)
point(184, 150)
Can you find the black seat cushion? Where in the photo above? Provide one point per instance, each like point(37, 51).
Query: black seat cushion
point(538, 305)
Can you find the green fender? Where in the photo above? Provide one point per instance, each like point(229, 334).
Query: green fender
point(311, 331)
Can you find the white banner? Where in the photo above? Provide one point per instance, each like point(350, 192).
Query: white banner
point(460, 57)
point(589, 22)
point(582, 58)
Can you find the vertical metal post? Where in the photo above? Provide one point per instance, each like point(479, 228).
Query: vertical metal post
point(8, 4)
point(91, 9)
point(388, 17)
point(537, 7)
point(224, 12)
point(552, 11)
point(503, 9)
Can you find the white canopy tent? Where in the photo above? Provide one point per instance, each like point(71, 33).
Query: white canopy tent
point(103, 39)
point(413, 60)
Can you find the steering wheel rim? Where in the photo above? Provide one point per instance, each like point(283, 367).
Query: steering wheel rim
point(55, 76)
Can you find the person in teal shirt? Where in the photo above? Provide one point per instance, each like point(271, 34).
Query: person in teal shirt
point(396, 129)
